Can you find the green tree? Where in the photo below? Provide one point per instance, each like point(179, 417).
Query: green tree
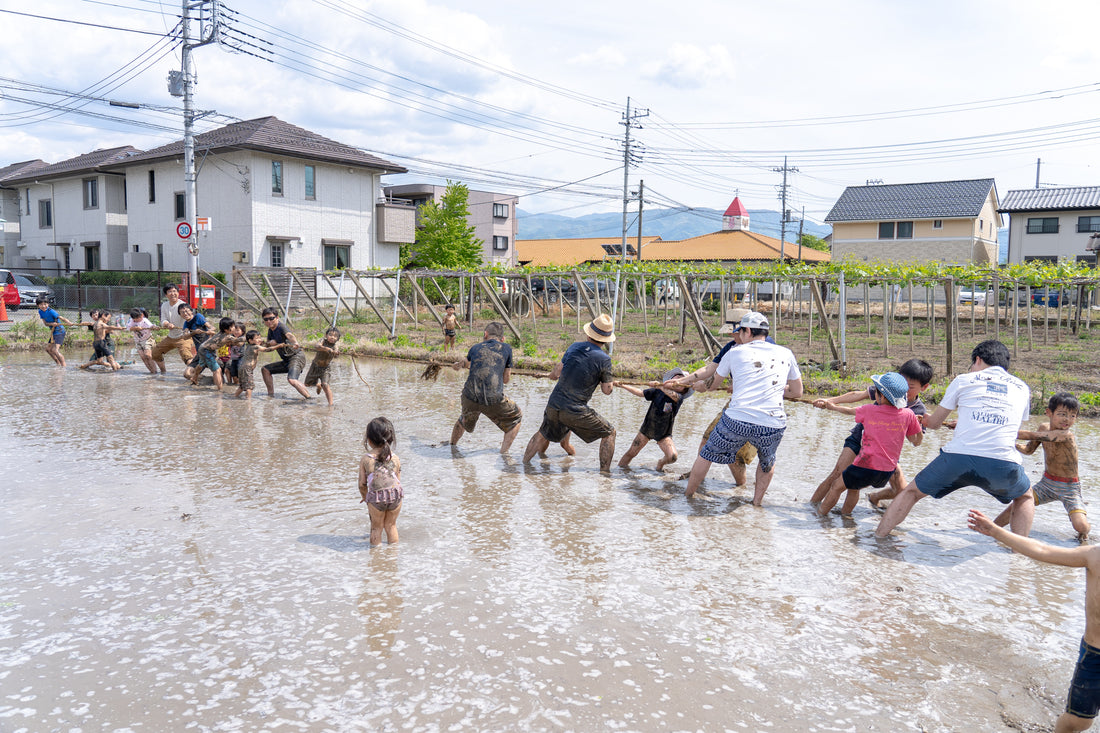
point(445, 239)
point(809, 240)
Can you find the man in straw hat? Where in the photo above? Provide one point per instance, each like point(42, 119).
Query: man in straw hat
point(763, 375)
point(583, 366)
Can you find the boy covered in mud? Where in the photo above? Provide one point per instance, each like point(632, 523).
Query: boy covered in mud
point(250, 354)
point(102, 344)
point(318, 374)
point(1059, 482)
point(1083, 701)
point(665, 402)
point(450, 328)
point(918, 374)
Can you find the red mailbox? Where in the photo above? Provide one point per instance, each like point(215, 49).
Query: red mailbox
point(202, 296)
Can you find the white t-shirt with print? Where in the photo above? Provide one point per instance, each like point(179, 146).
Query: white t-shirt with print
point(991, 405)
point(759, 372)
point(170, 313)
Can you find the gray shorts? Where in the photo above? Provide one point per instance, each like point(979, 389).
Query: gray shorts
point(292, 367)
point(1053, 488)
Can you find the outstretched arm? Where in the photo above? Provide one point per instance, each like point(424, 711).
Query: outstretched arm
point(464, 363)
point(833, 407)
point(629, 388)
point(1073, 557)
point(933, 421)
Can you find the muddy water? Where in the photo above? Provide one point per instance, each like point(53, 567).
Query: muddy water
point(174, 560)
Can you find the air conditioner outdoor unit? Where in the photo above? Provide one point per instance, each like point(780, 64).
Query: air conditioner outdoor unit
point(20, 244)
point(240, 258)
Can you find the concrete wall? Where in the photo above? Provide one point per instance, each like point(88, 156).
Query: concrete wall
point(1067, 243)
point(962, 250)
point(10, 200)
point(73, 224)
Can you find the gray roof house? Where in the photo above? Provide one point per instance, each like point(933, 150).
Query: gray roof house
point(939, 221)
point(270, 194)
point(11, 209)
point(73, 213)
point(1052, 223)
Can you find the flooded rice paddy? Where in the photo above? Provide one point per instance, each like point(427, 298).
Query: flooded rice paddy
point(178, 561)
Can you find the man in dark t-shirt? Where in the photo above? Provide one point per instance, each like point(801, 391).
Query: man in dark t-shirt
point(583, 366)
point(490, 364)
point(292, 360)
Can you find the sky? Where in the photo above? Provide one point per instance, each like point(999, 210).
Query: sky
point(529, 98)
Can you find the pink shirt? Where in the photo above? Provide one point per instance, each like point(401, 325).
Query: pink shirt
point(885, 428)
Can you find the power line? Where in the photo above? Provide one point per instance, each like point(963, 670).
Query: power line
point(80, 22)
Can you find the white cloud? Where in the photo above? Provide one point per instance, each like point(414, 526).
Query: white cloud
point(687, 66)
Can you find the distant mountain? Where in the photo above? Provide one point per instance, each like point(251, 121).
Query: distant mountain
point(669, 224)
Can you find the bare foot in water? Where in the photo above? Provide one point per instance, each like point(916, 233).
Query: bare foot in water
point(565, 445)
point(666, 462)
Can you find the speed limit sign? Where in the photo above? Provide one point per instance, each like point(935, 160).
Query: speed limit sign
point(183, 229)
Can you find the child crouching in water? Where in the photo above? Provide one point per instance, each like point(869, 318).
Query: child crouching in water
point(886, 426)
point(664, 404)
point(380, 480)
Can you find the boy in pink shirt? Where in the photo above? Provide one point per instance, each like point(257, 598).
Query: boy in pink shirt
point(886, 425)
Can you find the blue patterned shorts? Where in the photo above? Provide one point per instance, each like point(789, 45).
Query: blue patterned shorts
point(729, 436)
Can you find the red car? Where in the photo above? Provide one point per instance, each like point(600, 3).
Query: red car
point(11, 291)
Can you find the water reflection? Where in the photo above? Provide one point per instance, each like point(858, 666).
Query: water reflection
point(172, 555)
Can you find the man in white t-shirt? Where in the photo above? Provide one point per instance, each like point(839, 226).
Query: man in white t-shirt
point(763, 375)
point(171, 319)
point(991, 404)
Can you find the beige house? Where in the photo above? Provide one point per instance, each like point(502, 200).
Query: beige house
point(955, 222)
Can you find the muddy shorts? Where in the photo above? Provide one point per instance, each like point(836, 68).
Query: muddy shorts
point(143, 344)
point(58, 335)
point(245, 380)
point(745, 456)
point(166, 344)
point(857, 477)
point(1003, 480)
point(206, 358)
point(292, 367)
point(730, 436)
point(504, 414)
point(449, 332)
point(103, 348)
point(317, 375)
point(585, 423)
point(1084, 688)
point(1055, 488)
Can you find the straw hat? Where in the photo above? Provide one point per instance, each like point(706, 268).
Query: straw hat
point(601, 329)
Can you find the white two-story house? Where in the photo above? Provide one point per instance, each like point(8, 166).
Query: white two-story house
point(1052, 223)
point(11, 211)
point(269, 194)
point(73, 213)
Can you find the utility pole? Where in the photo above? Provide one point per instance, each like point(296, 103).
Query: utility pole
point(784, 218)
point(188, 79)
point(801, 223)
point(641, 203)
point(629, 122)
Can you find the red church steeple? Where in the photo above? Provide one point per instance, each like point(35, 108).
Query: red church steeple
point(736, 217)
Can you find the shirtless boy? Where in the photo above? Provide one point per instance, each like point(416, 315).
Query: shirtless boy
point(1059, 482)
point(1083, 701)
point(450, 328)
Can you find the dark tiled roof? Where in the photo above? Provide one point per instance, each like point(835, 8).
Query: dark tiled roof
point(1049, 199)
point(935, 200)
point(18, 169)
point(271, 135)
point(97, 160)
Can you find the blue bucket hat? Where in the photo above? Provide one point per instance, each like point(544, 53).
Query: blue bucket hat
point(893, 386)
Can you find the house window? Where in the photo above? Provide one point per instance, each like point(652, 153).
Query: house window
point(91, 193)
point(1088, 223)
point(160, 256)
point(311, 182)
point(91, 256)
point(181, 206)
point(1041, 258)
point(28, 193)
point(152, 187)
point(276, 178)
point(905, 230)
point(500, 211)
point(337, 256)
point(500, 243)
point(886, 230)
point(125, 196)
point(1087, 260)
point(45, 213)
point(1038, 225)
point(277, 254)
point(937, 223)
point(68, 259)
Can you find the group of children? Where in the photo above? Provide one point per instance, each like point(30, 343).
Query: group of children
point(230, 353)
